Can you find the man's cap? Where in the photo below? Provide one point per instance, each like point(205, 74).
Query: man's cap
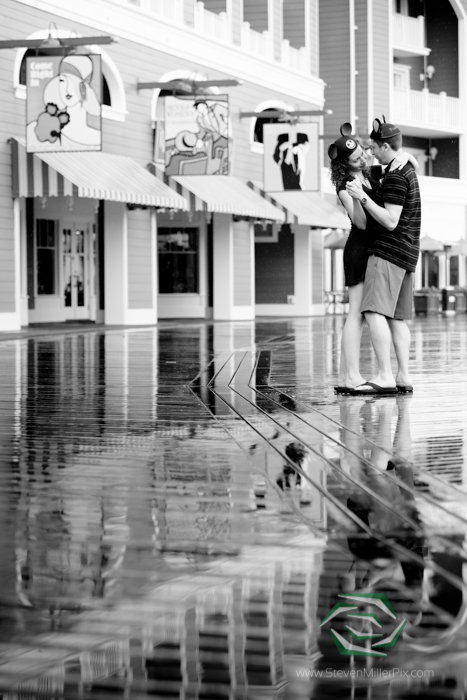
point(345, 145)
point(383, 130)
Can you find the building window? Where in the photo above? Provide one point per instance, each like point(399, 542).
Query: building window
point(178, 260)
point(46, 242)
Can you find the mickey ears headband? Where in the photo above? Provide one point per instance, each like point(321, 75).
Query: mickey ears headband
point(344, 146)
point(383, 130)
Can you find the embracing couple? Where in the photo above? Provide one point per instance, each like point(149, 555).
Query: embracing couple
point(380, 256)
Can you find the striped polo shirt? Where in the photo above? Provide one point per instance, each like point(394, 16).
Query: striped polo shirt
point(401, 246)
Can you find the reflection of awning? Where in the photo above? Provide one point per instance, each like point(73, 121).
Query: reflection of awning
point(222, 194)
point(88, 174)
point(306, 208)
point(335, 240)
point(430, 244)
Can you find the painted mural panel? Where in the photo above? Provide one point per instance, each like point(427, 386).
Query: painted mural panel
point(64, 95)
point(291, 159)
point(196, 135)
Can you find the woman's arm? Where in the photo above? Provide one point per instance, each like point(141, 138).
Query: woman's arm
point(354, 209)
point(402, 159)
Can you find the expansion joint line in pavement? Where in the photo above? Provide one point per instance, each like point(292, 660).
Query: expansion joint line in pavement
point(393, 545)
point(401, 551)
point(391, 477)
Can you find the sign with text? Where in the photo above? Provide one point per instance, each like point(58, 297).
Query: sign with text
point(196, 133)
point(291, 157)
point(63, 110)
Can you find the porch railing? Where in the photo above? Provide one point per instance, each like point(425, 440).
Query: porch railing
point(255, 42)
point(166, 9)
point(211, 23)
point(409, 32)
point(426, 109)
point(294, 59)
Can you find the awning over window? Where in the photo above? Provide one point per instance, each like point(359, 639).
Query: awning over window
point(222, 194)
point(306, 208)
point(88, 174)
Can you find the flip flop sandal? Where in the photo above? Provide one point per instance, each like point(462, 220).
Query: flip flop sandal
point(342, 389)
point(404, 389)
point(375, 390)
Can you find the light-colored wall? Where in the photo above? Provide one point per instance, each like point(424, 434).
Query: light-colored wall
point(140, 264)
point(242, 250)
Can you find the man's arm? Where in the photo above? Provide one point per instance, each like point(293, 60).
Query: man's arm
point(388, 216)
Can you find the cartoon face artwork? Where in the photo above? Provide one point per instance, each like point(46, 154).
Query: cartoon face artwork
point(64, 107)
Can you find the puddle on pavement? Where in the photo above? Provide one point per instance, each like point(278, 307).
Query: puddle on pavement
point(186, 514)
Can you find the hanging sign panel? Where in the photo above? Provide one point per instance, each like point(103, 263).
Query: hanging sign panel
point(64, 107)
point(197, 135)
point(291, 159)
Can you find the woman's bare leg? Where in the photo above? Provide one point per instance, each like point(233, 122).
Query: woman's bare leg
point(349, 370)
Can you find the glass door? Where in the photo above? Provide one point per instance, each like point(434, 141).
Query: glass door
point(77, 261)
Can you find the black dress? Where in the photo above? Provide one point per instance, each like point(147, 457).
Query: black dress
point(356, 248)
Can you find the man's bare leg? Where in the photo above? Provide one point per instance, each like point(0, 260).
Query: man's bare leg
point(401, 339)
point(381, 337)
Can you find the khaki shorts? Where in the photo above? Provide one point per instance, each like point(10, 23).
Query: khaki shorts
point(388, 289)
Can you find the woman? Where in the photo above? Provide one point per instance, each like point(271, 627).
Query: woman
point(348, 161)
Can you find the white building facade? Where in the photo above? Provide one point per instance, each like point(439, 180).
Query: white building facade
point(107, 236)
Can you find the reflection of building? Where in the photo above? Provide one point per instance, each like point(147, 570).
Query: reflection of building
point(80, 236)
point(404, 59)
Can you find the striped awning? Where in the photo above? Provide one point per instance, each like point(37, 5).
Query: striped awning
point(306, 208)
point(222, 194)
point(88, 174)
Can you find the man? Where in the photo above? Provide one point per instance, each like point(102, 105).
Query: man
point(388, 288)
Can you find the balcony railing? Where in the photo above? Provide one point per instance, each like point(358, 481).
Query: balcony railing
point(425, 109)
point(294, 59)
point(211, 23)
point(166, 9)
point(258, 43)
point(409, 33)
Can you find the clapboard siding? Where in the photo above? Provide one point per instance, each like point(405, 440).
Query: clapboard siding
point(317, 282)
point(274, 269)
point(381, 57)
point(256, 13)
point(361, 65)
point(334, 64)
point(314, 37)
point(140, 292)
point(189, 12)
point(294, 22)
point(242, 263)
point(215, 5)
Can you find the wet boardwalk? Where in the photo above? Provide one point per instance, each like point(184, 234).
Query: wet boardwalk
point(183, 507)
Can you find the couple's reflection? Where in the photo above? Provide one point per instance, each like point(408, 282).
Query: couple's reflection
point(387, 506)
point(393, 548)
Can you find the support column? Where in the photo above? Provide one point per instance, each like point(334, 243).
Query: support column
point(223, 264)
point(116, 263)
point(418, 273)
point(302, 271)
